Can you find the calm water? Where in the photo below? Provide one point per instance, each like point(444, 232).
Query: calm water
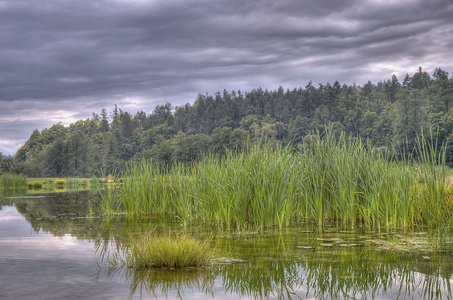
point(50, 249)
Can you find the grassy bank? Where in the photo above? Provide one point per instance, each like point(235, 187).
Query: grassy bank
point(14, 181)
point(338, 179)
point(70, 183)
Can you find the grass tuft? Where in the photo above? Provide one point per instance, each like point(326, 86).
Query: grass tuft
point(167, 252)
point(35, 185)
point(60, 182)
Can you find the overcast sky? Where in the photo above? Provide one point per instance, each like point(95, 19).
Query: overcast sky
point(62, 60)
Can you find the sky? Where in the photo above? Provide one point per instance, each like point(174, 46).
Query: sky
point(62, 60)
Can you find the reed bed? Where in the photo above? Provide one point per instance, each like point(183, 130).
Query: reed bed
point(330, 178)
point(13, 181)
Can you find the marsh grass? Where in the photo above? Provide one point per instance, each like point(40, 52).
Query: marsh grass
point(34, 185)
point(70, 183)
point(13, 181)
point(110, 203)
point(274, 267)
point(432, 182)
point(60, 182)
point(337, 178)
point(167, 252)
point(77, 183)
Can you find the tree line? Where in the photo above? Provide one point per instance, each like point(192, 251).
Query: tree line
point(389, 114)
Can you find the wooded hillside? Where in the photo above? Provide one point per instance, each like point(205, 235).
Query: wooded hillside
point(389, 114)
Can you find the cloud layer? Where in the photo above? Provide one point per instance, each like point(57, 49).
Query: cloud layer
point(63, 60)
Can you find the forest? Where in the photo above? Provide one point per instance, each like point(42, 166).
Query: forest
point(389, 115)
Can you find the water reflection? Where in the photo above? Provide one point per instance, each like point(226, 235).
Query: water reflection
point(169, 283)
point(297, 279)
point(281, 265)
point(66, 242)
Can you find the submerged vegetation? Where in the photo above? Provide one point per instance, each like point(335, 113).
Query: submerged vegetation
point(335, 178)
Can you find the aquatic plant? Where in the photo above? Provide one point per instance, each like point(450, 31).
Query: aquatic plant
point(110, 203)
point(35, 184)
point(60, 182)
point(332, 177)
point(432, 182)
point(314, 264)
point(168, 252)
point(13, 181)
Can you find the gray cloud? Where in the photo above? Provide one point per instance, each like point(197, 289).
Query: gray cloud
point(63, 60)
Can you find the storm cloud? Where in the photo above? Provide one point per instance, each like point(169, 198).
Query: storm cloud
point(63, 60)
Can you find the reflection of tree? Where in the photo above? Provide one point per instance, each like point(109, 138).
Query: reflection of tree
point(60, 213)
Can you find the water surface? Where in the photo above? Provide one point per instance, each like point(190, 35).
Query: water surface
point(53, 248)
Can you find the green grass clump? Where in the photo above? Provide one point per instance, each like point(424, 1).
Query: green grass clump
point(35, 185)
point(60, 182)
point(13, 181)
point(167, 252)
point(110, 204)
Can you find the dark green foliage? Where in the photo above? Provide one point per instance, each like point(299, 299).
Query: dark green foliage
point(387, 114)
point(411, 116)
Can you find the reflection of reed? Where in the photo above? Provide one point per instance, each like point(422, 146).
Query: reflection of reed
point(265, 280)
point(165, 282)
point(5, 193)
point(339, 273)
point(294, 264)
point(289, 263)
point(364, 274)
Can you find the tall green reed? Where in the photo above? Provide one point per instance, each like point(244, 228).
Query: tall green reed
point(13, 181)
point(432, 182)
point(110, 204)
point(333, 177)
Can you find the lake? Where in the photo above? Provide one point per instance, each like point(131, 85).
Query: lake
point(57, 245)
